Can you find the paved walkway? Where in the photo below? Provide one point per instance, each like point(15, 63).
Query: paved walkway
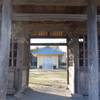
point(45, 94)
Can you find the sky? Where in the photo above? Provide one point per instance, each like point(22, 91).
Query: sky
point(63, 48)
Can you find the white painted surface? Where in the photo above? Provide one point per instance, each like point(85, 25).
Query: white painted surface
point(41, 60)
point(47, 59)
point(47, 63)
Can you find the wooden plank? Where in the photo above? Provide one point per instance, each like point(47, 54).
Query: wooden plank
point(11, 68)
point(27, 16)
point(70, 17)
point(5, 46)
point(19, 65)
point(52, 2)
point(93, 83)
point(57, 37)
point(60, 44)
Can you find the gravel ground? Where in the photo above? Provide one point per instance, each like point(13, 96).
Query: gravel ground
point(45, 93)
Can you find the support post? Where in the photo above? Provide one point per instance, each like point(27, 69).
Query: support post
point(18, 72)
point(76, 64)
point(93, 84)
point(67, 63)
point(5, 46)
point(28, 64)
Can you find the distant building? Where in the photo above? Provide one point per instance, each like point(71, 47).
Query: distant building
point(33, 60)
point(47, 57)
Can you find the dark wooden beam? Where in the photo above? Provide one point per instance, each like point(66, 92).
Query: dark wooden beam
point(52, 2)
point(48, 37)
point(93, 83)
point(5, 46)
point(54, 44)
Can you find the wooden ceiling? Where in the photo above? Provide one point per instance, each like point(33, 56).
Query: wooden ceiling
point(52, 7)
point(49, 9)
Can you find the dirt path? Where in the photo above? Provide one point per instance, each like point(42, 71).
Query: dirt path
point(45, 93)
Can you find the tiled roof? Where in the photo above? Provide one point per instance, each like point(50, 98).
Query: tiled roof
point(47, 50)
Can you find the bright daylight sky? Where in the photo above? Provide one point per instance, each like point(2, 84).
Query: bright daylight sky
point(63, 48)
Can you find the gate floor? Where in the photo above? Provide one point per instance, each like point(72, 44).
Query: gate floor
point(45, 93)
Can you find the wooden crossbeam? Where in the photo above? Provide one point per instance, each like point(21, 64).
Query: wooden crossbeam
point(48, 37)
point(52, 2)
point(54, 44)
point(70, 17)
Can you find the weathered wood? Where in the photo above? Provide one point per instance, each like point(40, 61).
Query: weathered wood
point(92, 51)
point(64, 37)
point(67, 63)
point(5, 46)
point(72, 17)
point(12, 53)
point(50, 2)
point(76, 64)
point(49, 27)
point(19, 65)
point(28, 63)
point(60, 44)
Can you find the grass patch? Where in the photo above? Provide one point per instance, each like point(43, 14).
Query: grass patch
point(49, 78)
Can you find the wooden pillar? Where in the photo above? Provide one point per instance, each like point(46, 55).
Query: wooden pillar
point(19, 66)
point(93, 87)
point(5, 46)
point(28, 59)
point(28, 65)
point(76, 64)
point(67, 63)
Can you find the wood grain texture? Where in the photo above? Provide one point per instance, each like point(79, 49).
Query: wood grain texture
point(76, 64)
point(26, 16)
point(19, 65)
point(50, 2)
point(5, 46)
point(70, 17)
point(63, 17)
point(92, 51)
